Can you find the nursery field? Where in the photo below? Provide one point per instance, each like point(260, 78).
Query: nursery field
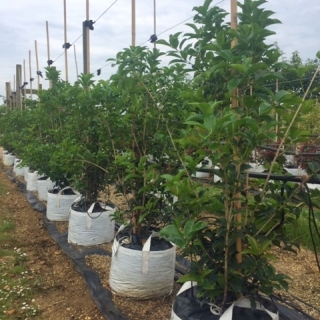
point(57, 291)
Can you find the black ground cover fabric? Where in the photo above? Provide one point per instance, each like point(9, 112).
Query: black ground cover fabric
point(185, 305)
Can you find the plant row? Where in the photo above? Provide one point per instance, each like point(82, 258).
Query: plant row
point(146, 129)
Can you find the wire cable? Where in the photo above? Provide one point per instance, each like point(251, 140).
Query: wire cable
point(105, 11)
point(178, 24)
point(93, 22)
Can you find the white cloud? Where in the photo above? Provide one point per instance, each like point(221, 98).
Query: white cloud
point(23, 22)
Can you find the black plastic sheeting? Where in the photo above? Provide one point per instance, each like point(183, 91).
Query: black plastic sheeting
point(185, 306)
point(101, 296)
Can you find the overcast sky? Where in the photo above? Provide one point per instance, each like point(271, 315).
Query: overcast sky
point(24, 21)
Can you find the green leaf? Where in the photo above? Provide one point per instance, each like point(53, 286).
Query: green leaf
point(314, 167)
point(238, 67)
point(280, 95)
point(232, 84)
point(264, 108)
point(168, 177)
point(254, 245)
point(172, 233)
point(209, 122)
point(191, 227)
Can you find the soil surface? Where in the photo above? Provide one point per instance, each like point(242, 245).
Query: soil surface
point(63, 295)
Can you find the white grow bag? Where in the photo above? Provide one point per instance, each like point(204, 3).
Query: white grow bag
point(16, 167)
point(43, 186)
point(8, 159)
point(4, 154)
point(91, 228)
point(208, 165)
point(227, 315)
point(256, 167)
point(142, 274)
point(32, 181)
point(20, 171)
point(58, 204)
point(26, 172)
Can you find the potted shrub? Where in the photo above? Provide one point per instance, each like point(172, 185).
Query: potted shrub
point(146, 105)
point(40, 145)
point(226, 231)
point(86, 155)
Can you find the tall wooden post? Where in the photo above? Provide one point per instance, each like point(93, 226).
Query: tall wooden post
point(86, 42)
point(133, 21)
point(37, 63)
point(18, 85)
point(48, 49)
point(154, 21)
point(8, 98)
point(30, 74)
point(85, 45)
point(65, 39)
point(234, 104)
point(24, 87)
point(88, 37)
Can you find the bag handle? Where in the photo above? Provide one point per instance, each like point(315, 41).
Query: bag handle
point(246, 303)
point(146, 253)
point(60, 192)
point(116, 244)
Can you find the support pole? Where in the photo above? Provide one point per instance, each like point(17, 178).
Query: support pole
point(18, 85)
point(86, 42)
point(234, 104)
point(133, 20)
point(37, 63)
point(84, 45)
point(8, 98)
point(88, 38)
point(154, 20)
point(48, 48)
point(65, 39)
point(30, 74)
point(24, 87)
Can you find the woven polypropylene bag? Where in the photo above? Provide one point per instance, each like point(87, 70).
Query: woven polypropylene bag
point(142, 274)
point(91, 228)
point(58, 204)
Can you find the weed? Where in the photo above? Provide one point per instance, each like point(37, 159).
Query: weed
point(16, 281)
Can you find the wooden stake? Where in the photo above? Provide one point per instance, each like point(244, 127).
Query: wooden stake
point(48, 48)
point(154, 20)
point(14, 99)
point(30, 74)
point(133, 19)
point(234, 104)
point(65, 39)
point(24, 80)
point(18, 85)
point(37, 62)
point(8, 94)
point(86, 42)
